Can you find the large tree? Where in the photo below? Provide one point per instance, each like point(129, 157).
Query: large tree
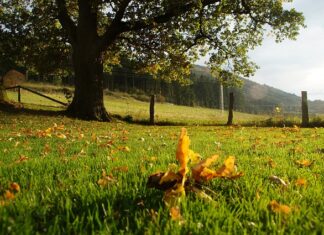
point(163, 37)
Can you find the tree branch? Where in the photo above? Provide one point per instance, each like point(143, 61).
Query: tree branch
point(113, 30)
point(163, 18)
point(66, 20)
point(118, 27)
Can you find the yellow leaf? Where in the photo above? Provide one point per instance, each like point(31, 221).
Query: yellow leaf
point(228, 170)
point(279, 208)
point(194, 157)
point(304, 163)
point(183, 151)
point(301, 182)
point(61, 136)
point(201, 172)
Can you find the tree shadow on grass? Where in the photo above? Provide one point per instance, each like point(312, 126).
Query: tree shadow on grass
point(77, 214)
point(14, 109)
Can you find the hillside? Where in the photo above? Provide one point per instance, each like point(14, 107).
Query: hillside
point(265, 97)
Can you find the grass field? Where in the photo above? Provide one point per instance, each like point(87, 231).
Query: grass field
point(124, 105)
point(58, 172)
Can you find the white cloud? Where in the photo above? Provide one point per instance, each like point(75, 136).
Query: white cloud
point(298, 65)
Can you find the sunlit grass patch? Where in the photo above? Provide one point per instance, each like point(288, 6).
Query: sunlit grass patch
point(58, 163)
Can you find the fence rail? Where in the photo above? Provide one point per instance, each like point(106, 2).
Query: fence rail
point(34, 92)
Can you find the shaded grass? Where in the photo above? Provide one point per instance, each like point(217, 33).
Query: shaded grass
point(59, 190)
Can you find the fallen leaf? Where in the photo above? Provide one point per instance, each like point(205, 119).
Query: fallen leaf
point(175, 213)
point(278, 180)
point(301, 182)
point(228, 170)
point(61, 136)
point(22, 158)
point(271, 163)
point(195, 158)
point(170, 176)
point(197, 170)
point(155, 181)
point(182, 152)
point(9, 195)
point(275, 207)
point(106, 179)
point(304, 163)
point(14, 187)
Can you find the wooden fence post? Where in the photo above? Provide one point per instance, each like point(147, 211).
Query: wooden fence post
point(305, 117)
point(19, 95)
point(152, 103)
point(230, 109)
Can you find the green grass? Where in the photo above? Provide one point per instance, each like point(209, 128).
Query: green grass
point(124, 105)
point(60, 194)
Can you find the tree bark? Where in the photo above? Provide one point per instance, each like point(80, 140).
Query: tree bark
point(88, 102)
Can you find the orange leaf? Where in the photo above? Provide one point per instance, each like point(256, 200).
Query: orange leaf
point(183, 151)
point(279, 208)
point(9, 195)
point(175, 213)
point(15, 187)
point(301, 182)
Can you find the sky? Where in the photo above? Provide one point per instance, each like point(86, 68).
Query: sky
point(295, 66)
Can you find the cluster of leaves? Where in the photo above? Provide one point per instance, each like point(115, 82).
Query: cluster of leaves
point(176, 184)
point(9, 194)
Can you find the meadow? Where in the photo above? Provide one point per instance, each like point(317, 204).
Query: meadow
point(128, 107)
point(66, 176)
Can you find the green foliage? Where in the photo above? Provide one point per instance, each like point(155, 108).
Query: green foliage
point(160, 37)
point(32, 38)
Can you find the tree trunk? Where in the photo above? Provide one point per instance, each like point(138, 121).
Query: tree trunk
point(88, 95)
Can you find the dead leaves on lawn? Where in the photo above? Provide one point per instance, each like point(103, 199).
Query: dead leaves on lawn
point(176, 184)
point(9, 194)
point(275, 207)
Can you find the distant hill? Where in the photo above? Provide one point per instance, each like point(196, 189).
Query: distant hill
point(263, 96)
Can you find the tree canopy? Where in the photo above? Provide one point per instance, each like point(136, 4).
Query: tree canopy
point(162, 37)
